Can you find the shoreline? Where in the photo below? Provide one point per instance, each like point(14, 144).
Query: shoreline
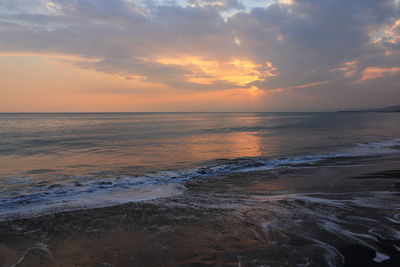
point(236, 219)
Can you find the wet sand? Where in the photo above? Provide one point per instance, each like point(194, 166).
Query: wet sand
point(336, 213)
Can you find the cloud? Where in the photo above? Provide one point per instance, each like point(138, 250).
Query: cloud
point(194, 45)
point(236, 71)
point(279, 90)
point(370, 73)
point(348, 69)
point(221, 5)
point(389, 38)
point(307, 39)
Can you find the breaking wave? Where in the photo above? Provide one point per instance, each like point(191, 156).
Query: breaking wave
point(21, 196)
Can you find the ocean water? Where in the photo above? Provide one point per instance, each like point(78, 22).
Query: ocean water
point(59, 161)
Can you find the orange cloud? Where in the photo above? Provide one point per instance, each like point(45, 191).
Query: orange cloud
point(239, 72)
point(377, 72)
point(278, 90)
point(348, 69)
point(389, 34)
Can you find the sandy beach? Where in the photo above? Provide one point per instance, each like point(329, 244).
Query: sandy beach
point(335, 215)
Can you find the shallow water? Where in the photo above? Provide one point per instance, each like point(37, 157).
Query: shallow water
point(67, 161)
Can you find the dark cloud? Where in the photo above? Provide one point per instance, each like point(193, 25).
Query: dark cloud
point(309, 38)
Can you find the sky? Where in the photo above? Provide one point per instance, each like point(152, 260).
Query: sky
point(198, 55)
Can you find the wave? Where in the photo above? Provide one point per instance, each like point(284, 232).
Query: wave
point(23, 195)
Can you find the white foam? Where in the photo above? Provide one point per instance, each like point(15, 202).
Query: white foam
point(24, 194)
point(335, 213)
point(97, 200)
point(380, 257)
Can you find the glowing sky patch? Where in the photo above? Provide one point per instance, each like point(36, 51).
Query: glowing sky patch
point(238, 72)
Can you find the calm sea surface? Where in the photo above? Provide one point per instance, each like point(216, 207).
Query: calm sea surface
point(52, 161)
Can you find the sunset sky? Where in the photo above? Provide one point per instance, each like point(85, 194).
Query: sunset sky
point(198, 55)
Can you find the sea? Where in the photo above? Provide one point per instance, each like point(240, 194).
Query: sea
point(66, 161)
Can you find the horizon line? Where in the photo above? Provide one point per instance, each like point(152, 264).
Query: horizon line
point(94, 112)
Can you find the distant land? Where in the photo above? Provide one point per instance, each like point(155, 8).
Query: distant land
point(387, 109)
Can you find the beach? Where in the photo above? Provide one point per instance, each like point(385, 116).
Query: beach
point(340, 212)
point(189, 133)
